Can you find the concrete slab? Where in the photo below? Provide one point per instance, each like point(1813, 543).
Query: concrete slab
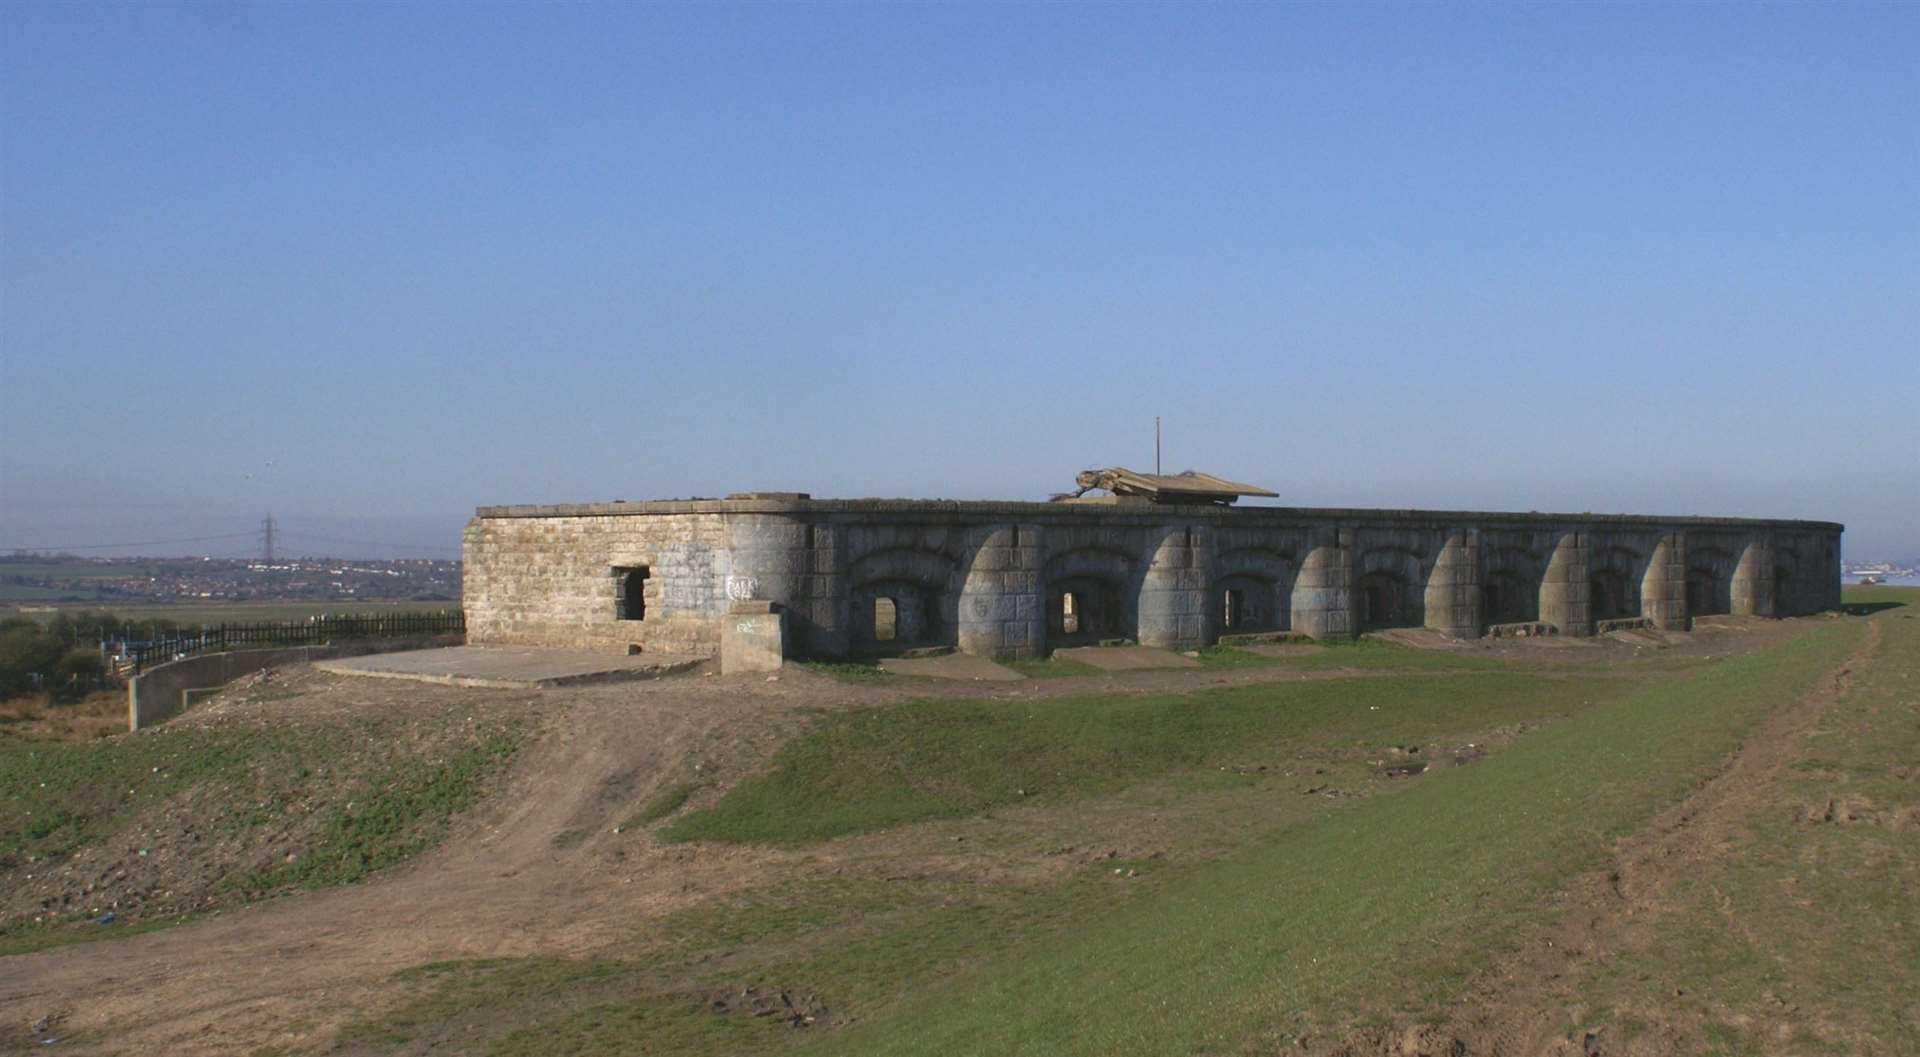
point(1283, 649)
point(1126, 658)
point(1421, 639)
point(511, 666)
point(951, 666)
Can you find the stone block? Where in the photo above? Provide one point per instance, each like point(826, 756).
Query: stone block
point(753, 638)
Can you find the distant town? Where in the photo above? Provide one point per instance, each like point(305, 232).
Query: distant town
point(1881, 571)
point(28, 579)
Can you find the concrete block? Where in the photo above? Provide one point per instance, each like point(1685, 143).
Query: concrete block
point(753, 638)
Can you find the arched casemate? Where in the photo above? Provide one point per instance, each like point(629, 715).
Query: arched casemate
point(1565, 599)
point(1253, 590)
point(1092, 596)
point(1786, 581)
point(1011, 578)
point(902, 599)
point(1512, 575)
point(1752, 591)
point(1616, 575)
point(1453, 595)
point(1710, 574)
point(1389, 588)
point(1323, 591)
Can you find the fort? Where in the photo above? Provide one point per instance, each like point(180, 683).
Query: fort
point(1165, 566)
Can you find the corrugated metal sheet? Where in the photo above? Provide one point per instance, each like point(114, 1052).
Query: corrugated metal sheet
point(1168, 487)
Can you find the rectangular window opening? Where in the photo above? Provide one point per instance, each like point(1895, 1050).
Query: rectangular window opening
point(630, 592)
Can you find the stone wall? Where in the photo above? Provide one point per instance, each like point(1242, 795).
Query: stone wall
point(1018, 579)
point(551, 581)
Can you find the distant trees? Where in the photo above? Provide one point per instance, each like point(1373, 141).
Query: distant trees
point(26, 651)
point(63, 655)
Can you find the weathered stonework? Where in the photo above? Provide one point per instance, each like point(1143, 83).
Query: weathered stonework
point(870, 576)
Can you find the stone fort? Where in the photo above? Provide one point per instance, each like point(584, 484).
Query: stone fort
point(1165, 561)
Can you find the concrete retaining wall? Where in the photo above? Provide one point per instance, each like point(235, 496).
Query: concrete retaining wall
point(161, 692)
point(1019, 579)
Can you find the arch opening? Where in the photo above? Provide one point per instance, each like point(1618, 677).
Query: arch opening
point(892, 616)
point(1087, 609)
point(1248, 604)
point(1508, 598)
point(1706, 594)
point(1385, 601)
point(1613, 595)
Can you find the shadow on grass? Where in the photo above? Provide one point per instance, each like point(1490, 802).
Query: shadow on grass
point(1866, 609)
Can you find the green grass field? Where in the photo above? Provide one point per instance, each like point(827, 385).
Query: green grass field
point(1392, 891)
point(872, 769)
point(1316, 912)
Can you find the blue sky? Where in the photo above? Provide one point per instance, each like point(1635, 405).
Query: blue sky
point(368, 266)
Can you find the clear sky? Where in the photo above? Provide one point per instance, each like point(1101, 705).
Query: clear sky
point(368, 266)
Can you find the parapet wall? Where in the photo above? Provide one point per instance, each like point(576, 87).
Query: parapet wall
point(159, 693)
point(1018, 579)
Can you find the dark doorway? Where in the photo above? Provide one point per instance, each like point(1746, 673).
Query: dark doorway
point(1703, 594)
point(1611, 596)
point(896, 615)
point(1383, 601)
point(1085, 609)
point(1249, 604)
point(1508, 599)
point(630, 592)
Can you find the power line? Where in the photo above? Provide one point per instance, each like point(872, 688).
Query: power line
point(275, 534)
point(363, 543)
point(142, 543)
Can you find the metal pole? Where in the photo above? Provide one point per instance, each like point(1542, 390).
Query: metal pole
point(1156, 445)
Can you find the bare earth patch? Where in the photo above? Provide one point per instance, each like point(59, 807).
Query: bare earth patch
point(563, 864)
point(1602, 979)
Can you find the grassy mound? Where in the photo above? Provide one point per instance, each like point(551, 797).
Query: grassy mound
point(1399, 890)
point(870, 769)
point(190, 817)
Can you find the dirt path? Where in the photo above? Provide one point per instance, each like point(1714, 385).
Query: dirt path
point(1521, 1004)
point(289, 972)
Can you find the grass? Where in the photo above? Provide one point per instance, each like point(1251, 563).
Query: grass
point(405, 810)
point(1317, 911)
point(1808, 908)
point(850, 671)
point(1392, 891)
point(862, 770)
point(57, 798)
point(660, 805)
